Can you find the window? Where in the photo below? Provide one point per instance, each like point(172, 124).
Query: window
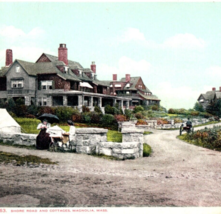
point(46, 84)
point(17, 83)
point(42, 101)
point(17, 69)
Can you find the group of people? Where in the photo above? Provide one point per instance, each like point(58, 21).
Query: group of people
point(45, 138)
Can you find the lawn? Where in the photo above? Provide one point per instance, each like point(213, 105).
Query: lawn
point(29, 125)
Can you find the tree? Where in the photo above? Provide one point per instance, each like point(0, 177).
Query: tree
point(198, 107)
point(214, 108)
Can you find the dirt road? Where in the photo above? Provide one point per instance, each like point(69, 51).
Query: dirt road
point(176, 174)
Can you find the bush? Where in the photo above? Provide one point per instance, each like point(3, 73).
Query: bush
point(194, 113)
point(30, 116)
point(32, 109)
point(139, 115)
point(162, 121)
point(10, 105)
point(85, 109)
point(120, 118)
point(64, 113)
point(128, 113)
point(95, 117)
point(20, 101)
point(45, 109)
point(138, 108)
point(76, 117)
point(155, 108)
point(108, 119)
point(98, 109)
point(20, 110)
point(86, 117)
point(2, 103)
point(172, 111)
point(146, 150)
point(108, 109)
point(141, 122)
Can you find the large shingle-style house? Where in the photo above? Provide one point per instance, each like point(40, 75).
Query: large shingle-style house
point(209, 97)
point(57, 81)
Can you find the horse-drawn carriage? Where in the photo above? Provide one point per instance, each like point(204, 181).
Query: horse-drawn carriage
point(188, 128)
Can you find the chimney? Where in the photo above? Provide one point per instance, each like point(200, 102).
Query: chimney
point(114, 77)
point(127, 77)
point(63, 53)
point(214, 89)
point(9, 57)
point(93, 67)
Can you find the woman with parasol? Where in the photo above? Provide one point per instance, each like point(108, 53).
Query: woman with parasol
point(43, 139)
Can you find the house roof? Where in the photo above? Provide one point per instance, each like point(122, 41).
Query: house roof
point(147, 97)
point(102, 82)
point(34, 69)
point(134, 81)
point(71, 64)
point(3, 71)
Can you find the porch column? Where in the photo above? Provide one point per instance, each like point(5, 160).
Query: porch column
point(90, 101)
point(49, 101)
point(121, 104)
point(80, 101)
point(100, 102)
point(65, 100)
point(27, 100)
point(127, 104)
point(114, 101)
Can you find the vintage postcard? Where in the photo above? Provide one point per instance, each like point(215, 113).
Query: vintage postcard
point(110, 106)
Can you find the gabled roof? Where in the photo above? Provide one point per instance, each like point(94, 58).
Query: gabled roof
point(3, 71)
point(102, 82)
point(34, 69)
point(71, 64)
point(147, 97)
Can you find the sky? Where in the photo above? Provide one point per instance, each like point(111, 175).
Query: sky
point(174, 47)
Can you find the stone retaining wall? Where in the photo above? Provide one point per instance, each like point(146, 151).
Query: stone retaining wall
point(18, 138)
point(121, 151)
point(91, 141)
point(88, 138)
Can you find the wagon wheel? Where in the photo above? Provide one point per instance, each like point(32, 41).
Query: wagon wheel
point(52, 147)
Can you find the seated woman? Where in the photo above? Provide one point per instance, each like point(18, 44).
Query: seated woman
point(43, 139)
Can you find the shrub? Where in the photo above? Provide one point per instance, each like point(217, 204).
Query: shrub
point(10, 105)
point(108, 109)
point(30, 116)
point(95, 117)
point(64, 113)
point(128, 113)
point(120, 117)
point(146, 150)
point(45, 109)
point(116, 110)
point(20, 110)
point(155, 108)
point(98, 109)
point(141, 122)
point(85, 109)
point(138, 108)
point(32, 109)
point(194, 113)
point(139, 115)
point(108, 119)
point(20, 101)
point(162, 121)
point(2, 103)
point(86, 117)
point(172, 111)
point(76, 117)
point(177, 120)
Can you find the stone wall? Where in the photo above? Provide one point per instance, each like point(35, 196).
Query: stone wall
point(88, 138)
point(18, 138)
point(91, 141)
point(121, 151)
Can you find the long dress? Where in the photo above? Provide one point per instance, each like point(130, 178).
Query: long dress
point(43, 139)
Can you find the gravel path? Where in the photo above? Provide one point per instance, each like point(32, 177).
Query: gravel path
point(176, 174)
